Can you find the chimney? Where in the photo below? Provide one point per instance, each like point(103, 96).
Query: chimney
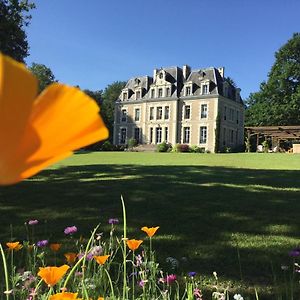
point(237, 94)
point(186, 70)
point(154, 74)
point(221, 71)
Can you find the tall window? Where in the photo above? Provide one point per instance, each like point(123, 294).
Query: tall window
point(187, 90)
point(158, 135)
point(123, 135)
point(203, 134)
point(151, 115)
point(167, 112)
point(125, 96)
point(166, 134)
point(137, 113)
point(186, 135)
point(204, 89)
point(231, 136)
point(225, 113)
point(237, 117)
point(159, 113)
point(231, 114)
point(168, 90)
point(123, 115)
point(203, 111)
point(224, 136)
point(151, 135)
point(138, 95)
point(187, 111)
point(137, 134)
point(152, 93)
point(160, 93)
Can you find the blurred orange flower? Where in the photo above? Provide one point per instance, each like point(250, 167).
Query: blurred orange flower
point(16, 246)
point(100, 298)
point(37, 131)
point(150, 230)
point(55, 247)
point(64, 296)
point(70, 257)
point(101, 259)
point(133, 244)
point(52, 275)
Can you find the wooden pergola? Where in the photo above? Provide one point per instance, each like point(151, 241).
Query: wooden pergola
point(276, 133)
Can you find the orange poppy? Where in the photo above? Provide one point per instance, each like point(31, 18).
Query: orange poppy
point(71, 257)
point(150, 230)
point(16, 246)
point(133, 244)
point(36, 131)
point(55, 247)
point(52, 275)
point(101, 259)
point(64, 296)
point(100, 298)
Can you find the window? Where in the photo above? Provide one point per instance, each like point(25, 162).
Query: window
point(204, 89)
point(125, 96)
point(237, 117)
point(187, 111)
point(138, 95)
point(225, 113)
point(224, 136)
point(203, 111)
point(152, 93)
point(137, 134)
point(151, 116)
point(158, 135)
point(231, 114)
point(166, 134)
point(186, 135)
point(137, 114)
point(168, 92)
point(123, 115)
point(187, 90)
point(123, 135)
point(151, 135)
point(231, 136)
point(159, 113)
point(167, 112)
point(203, 134)
point(161, 75)
point(160, 93)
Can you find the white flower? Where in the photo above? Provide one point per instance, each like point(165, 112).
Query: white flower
point(238, 297)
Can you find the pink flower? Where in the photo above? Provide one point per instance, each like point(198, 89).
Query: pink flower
point(70, 230)
point(170, 278)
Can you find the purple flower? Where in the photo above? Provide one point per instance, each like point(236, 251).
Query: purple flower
point(70, 230)
point(42, 243)
point(113, 221)
point(192, 274)
point(294, 253)
point(142, 283)
point(170, 278)
point(33, 222)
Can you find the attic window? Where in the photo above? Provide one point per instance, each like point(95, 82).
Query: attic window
point(187, 90)
point(205, 89)
point(138, 95)
point(125, 96)
point(161, 75)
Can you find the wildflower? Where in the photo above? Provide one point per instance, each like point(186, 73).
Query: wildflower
point(192, 274)
point(101, 259)
point(238, 297)
point(55, 247)
point(150, 231)
point(36, 129)
point(97, 250)
point(139, 260)
point(113, 221)
point(294, 253)
point(33, 222)
point(100, 298)
point(133, 244)
point(16, 246)
point(171, 278)
point(64, 296)
point(198, 294)
point(70, 230)
point(42, 243)
point(142, 283)
point(215, 275)
point(52, 275)
point(70, 257)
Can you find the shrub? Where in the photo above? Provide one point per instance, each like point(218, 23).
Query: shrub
point(164, 147)
point(196, 149)
point(132, 143)
point(107, 146)
point(182, 148)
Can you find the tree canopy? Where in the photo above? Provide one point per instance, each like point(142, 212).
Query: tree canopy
point(14, 18)
point(43, 74)
point(278, 101)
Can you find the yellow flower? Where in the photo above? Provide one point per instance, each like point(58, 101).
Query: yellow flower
point(64, 296)
point(71, 257)
point(101, 259)
point(37, 131)
point(52, 275)
point(100, 298)
point(16, 246)
point(55, 247)
point(150, 231)
point(134, 244)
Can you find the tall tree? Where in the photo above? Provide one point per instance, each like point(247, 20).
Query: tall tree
point(43, 74)
point(14, 17)
point(278, 101)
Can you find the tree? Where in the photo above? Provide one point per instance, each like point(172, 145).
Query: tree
point(13, 18)
point(278, 101)
point(43, 74)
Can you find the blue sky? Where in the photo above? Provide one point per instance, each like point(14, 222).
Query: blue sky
point(93, 43)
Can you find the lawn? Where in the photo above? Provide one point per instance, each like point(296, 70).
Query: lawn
point(237, 214)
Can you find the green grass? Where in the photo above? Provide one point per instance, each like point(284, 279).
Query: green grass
point(207, 206)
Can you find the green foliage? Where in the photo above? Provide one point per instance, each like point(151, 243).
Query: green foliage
point(278, 101)
point(14, 17)
point(196, 149)
point(164, 147)
point(182, 148)
point(132, 143)
point(107, 146)
point(43, 74)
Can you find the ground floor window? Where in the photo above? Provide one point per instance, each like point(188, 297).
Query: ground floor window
point(186, 135)
point(166, 134)
point(203, 134)
point(137, 134)
point(123, 136)
point(158, 135)
point(151, 135)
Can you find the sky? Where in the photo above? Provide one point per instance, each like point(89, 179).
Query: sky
point(93, 43)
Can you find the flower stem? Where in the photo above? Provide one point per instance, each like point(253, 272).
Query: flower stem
point(5, 271)
point(124, 250)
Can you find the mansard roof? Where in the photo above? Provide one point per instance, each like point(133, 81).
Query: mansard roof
point(139, 82)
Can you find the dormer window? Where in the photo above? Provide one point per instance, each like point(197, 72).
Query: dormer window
point(138, 95)
point(161, 75)
point(188, 91)
point(152, 93)
point(168, 92)
point(125, 96)
point(160, 93)
point(205, 89)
